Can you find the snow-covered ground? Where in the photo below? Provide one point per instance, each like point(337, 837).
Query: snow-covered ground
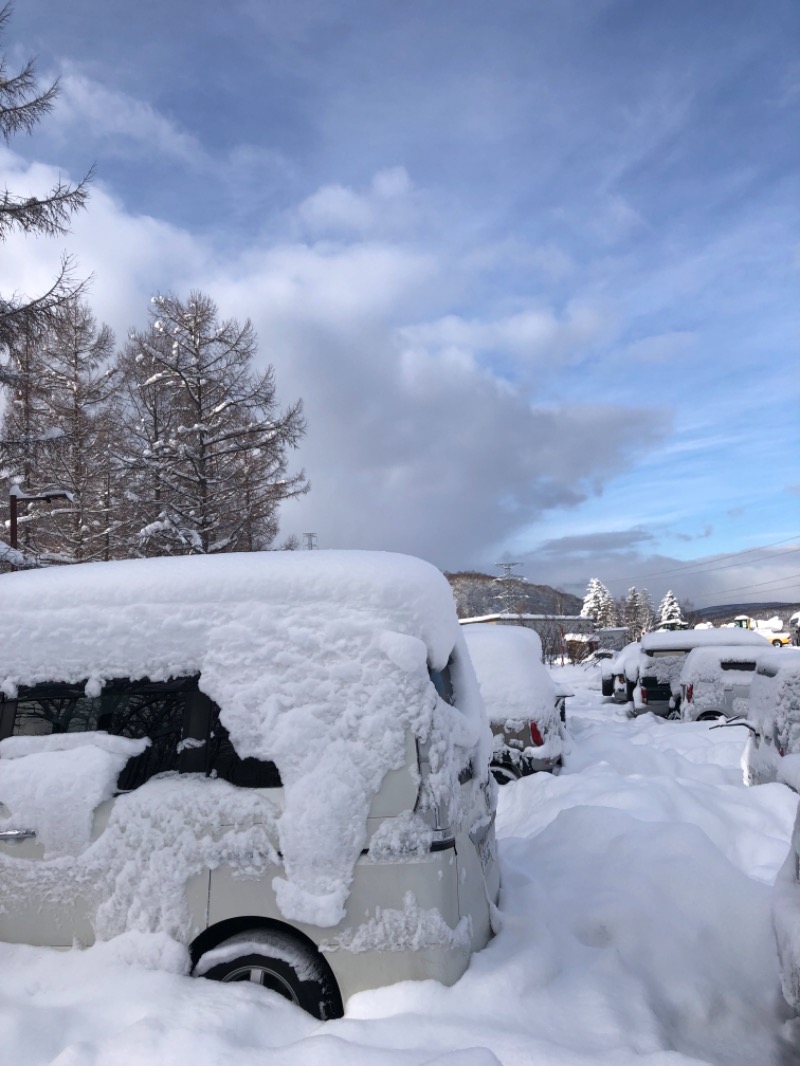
point(636, 929)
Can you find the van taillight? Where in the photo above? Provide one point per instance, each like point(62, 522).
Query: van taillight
point(536, 736)
point(689, 692)
point(643, 692)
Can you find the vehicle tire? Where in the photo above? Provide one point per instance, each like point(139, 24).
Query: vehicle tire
point(607, 686)
point(777, 644)
point(284, 964)
point(711, 716)
point(503, 773)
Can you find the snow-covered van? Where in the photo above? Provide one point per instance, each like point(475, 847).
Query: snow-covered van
point(661, 660)
point(278, 759)
point(618, 675)
point(523, 702)
point(715, 682)
point(772, 752)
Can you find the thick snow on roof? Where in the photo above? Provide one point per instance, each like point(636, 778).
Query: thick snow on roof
point(318, 661)
point(514, 682)
point(99, 618)
point(705, 664)
point(683, 640)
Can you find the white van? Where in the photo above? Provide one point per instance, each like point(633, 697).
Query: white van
point(278, 759)
point(772, 752)
point(715, 682)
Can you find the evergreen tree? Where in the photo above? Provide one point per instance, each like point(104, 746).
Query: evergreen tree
point(591, 600)
point(637, 612)
point(669, 611)
point(598, 604)
point(205, 442)
point(647, 612)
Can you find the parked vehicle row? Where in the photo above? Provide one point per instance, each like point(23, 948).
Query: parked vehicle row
point(655, 674)
point(750, 684)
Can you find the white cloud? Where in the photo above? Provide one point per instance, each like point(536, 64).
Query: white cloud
point(131, 124)
point(389, 203)
point(663, 348)
point(536, 335)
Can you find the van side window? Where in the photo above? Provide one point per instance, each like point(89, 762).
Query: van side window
point(443, 683)
point(181, 722)
point(224, 762)
point(48, 709)
point(145, 709)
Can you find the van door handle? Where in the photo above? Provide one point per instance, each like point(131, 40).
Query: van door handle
point(13, 836)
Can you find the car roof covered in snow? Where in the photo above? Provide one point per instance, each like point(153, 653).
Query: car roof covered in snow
point(514, 682)
point(682, 641)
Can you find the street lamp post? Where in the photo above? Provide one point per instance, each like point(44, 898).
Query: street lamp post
point(17, 496)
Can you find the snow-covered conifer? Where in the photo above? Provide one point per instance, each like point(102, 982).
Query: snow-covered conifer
point(669, 610)
point(206, 443)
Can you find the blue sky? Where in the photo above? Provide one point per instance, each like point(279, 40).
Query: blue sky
point(532, 266)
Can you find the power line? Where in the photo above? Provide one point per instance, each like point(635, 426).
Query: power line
point(725, 555)
point(779, 581)
point(727, 566)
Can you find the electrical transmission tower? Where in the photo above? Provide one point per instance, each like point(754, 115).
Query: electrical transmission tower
point(311, 541)
point(508, 577)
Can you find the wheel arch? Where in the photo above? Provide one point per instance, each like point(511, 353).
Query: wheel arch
point(218, 933)
point(711, 716)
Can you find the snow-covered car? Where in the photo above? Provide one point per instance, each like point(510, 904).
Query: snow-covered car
point(715, 682)
point(772, 752)
point(615, 673)
point(661, 659)
point(278, 759)
point(523, 703)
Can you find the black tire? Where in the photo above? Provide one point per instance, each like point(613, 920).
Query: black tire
point(607, 686)
point(777, 644)
point(284, 964)
point(503, 773)
point(710, 716)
